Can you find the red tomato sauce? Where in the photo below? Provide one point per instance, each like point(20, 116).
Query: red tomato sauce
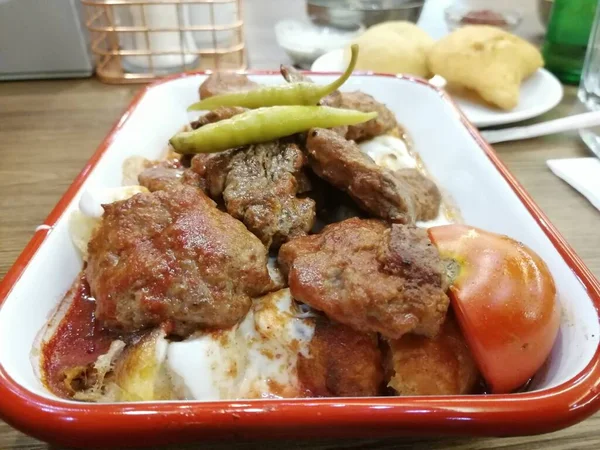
point(484, 17)
point(78, 340)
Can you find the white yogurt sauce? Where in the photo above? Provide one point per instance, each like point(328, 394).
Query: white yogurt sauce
point(389, 152)
point(392, 153)
point(256, 358)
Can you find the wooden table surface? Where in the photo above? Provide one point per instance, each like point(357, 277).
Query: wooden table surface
point(48, 130)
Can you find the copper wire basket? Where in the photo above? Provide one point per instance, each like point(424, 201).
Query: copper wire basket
point(137, 41)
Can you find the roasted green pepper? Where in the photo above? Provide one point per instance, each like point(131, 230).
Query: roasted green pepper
point(262, 125)
point(300, 93)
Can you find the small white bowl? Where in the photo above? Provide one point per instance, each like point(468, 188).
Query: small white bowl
point(304, 41)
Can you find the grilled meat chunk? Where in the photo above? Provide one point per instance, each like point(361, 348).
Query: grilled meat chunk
point(370, 276)
point(172, 257)
point(259, 185)
point(375, 189)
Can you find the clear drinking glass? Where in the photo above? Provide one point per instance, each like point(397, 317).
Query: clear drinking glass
point(589, 86)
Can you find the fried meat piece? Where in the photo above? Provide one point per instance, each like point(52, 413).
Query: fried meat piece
point(225, 82)
point(221, 113)
point(426, 195)
point(370, 276)
point(375, 189)
point(384, 122)
point(259, 185)
point(342, 362)
point(442, 365)
point(172, 257)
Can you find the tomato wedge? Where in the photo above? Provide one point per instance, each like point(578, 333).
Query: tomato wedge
point(505, 301)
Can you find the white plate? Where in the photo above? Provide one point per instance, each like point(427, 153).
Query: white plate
point(470, 174)
point(539, 93)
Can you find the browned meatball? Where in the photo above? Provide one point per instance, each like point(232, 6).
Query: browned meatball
point(171, 256)
point(375, 189)
point(342, 362)
point(384, 122)
point(370, 276)
point(224, 82)
point(442, 365)
point(426, 195)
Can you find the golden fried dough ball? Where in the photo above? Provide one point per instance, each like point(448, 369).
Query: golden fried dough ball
point(486, 59)
point(442, 365)
point(394, 47)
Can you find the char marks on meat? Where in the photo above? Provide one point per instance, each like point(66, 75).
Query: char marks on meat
point(259, 185)
point(384, 122)
point(369, 276)
point(375, 189)
point(342, 362)
point(219, 83)
point(171, 257)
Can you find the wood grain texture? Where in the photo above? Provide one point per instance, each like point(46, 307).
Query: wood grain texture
point(49, 129)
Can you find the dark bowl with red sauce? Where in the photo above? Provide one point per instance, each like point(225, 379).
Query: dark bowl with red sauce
point(457, 16)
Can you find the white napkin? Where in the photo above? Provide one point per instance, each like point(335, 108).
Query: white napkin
point(581, 173)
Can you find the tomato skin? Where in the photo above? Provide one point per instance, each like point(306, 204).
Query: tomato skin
point(505, 301)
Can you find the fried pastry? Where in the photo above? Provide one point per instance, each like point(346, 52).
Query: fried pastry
point(394, 47)
point(486, 59)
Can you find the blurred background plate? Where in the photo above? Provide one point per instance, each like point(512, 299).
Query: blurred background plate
point(539, 94)
point(338, 13)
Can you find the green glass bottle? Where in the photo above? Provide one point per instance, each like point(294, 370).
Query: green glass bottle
point(567, 37)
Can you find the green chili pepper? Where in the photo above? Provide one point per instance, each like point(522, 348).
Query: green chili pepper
point(301, 93)
point(262, 125)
